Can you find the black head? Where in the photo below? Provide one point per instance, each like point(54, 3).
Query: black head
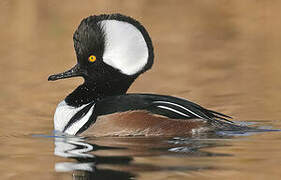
point(112, 51)
point(110, 48)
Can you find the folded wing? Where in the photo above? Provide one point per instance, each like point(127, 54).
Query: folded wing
point(168, 106)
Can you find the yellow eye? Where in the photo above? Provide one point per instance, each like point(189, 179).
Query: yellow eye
point(92, 58)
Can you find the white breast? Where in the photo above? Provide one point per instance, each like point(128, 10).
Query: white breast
point(63, 115)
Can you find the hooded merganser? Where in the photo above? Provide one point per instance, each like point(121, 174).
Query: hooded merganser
point(112, 51)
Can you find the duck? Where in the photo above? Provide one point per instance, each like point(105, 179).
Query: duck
point(112, 51)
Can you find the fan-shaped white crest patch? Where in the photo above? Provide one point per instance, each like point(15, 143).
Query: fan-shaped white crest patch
point(125, 46)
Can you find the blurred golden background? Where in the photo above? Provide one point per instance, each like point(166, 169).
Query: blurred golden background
point(221, 54)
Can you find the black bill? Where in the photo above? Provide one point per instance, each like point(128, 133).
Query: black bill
point(73, 72)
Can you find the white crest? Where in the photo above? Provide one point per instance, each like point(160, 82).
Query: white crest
point(125, 47)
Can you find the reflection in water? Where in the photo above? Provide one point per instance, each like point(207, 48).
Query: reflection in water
point(85, 166)
point(115, 159)
point(73, 147)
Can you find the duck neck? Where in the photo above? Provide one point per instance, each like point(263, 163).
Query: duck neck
point(94, 91)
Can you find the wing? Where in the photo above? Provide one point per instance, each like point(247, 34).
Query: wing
point(168, 106)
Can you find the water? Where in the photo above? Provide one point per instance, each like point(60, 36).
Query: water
point(224, 55)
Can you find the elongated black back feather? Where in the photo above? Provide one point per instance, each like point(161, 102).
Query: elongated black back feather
point(168, 106)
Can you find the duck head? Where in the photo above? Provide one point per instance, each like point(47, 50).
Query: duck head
point(112, 51)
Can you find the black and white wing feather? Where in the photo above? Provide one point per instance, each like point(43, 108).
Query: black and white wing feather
point(168, 106)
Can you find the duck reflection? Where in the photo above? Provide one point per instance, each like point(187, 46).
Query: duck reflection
point(86, 163)
point(74, 147)
point(112, 158)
